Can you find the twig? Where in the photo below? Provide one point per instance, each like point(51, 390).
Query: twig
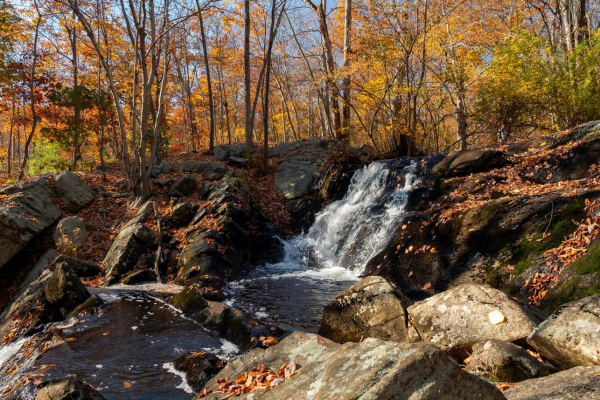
point(549, 222)
point(115, 195)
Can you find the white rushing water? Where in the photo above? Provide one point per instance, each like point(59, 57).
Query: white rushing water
point(10, 349)
point(332, 255)
point(349, 232)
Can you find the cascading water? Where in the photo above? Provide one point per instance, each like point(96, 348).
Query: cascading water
point(332, 254)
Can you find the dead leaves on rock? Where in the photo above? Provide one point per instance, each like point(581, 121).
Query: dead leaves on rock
point(259, 378)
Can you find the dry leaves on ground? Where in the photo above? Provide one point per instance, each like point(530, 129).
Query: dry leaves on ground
point(259, 378)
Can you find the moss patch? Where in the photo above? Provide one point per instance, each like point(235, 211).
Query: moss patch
point(590, 262)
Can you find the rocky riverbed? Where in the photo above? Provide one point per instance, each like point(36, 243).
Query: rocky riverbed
point(469, 275)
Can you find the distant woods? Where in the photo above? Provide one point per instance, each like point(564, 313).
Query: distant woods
point(86, 82)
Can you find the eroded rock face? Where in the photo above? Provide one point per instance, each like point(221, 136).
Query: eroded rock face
point(31, 211)
point(573, 384)
point(132, 241)
point(66, 388)
point(74, 193)
point(370, 308)
point(456, 319)
point(369, 370)
point(70, 234)
point(470, 161)
point(571, 337)
point(499, 361)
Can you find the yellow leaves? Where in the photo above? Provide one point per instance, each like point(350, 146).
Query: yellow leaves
point(404, 226)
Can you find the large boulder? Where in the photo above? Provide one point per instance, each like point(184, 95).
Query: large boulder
point(165, 167)
point(201, 258)
point(186, 166)
point(211, 171)
point(571, 337)
point(458, 318)
point(46, 297)
point(74, 193)
point(470, 161)
point(296, 174)
point(63, 290)
point(500, 361)
point(70, 234)
point(573, 384)
point(133, 240)
point(224, 152)
point(370, 308)
point(183, 186)
point(66, 388)
point(369, 370)
point(28, 212)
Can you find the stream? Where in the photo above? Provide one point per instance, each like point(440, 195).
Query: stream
point(126, 352)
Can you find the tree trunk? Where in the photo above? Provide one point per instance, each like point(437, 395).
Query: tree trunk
point(346, 82)
point(34, 116)
point(247, 104)
point(211, 104)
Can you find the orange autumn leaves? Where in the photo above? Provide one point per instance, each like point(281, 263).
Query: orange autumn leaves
point(259, 378)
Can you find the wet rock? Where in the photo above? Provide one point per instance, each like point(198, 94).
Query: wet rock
point(70, 234)
point(186, 166)
point(211, 171)
point(303, 211)
point(226, 321)
point(574, 384)
point(132, 241)
point(369, 370)
point(571, 337)
point(183, 186)
point(183, 213)
point(141, 276)
point(238, 162)
point(63, 291)
point(66, 388)
point(199, 368)
point(165, 167)
point(266, 247)
point(470, 161)
point(29, 212)
point(370, 308)
point(81, 268)
point(456, 319)
point(499, 361)
point(89, 305)
point(73, 192)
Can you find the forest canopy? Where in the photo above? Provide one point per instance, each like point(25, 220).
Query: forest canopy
point(86, 82)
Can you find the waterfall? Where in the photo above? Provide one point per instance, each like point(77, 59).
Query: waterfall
point(349, 232)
